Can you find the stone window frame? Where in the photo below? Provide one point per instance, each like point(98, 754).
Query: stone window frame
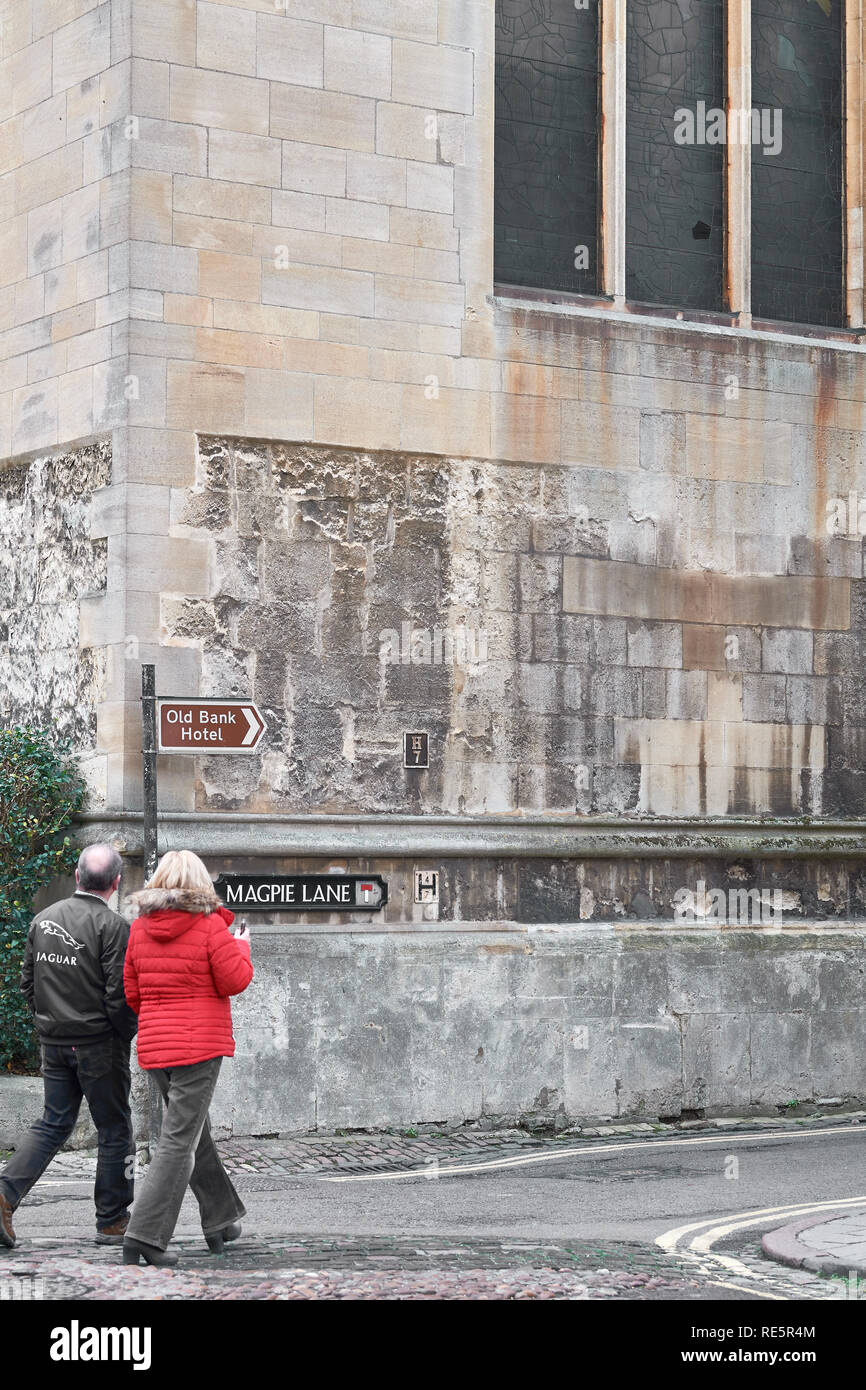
point(736, 268)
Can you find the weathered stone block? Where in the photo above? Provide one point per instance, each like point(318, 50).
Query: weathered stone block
point(600, 436)
point(764, 698)
point(561, 638)
point(658, 644)
point(214, 392)
point(238, 157)
point(223, 100)
point(404, 131)
point(277, 626)
point(445, 85)
point(762, 555)
point(703, 647)
point(169, 147)
point(316, 287)
point(842, 556)
point(539, 578)
point(81, 48)
point(687, 695)
point(662, 442)
point(222, 276)
point(357, 62)
point(225, 39)
point(609, 636)
point(408, 577)
point(655, 694)
point(289, 50)
point(342, 121)
point(835, 653)
point(785, 650)
point(614, 691)
point(742, 649)
point(279, 403)
point(814, 700)
point(418, 687)
point(606, 586)
point(779, 1049)
point(724, 697)
point(767, 745)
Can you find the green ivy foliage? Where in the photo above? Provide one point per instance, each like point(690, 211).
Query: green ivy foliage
point(40, 792)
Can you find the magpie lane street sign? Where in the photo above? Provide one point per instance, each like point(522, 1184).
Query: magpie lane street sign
point(303, 892)
point(209, 726)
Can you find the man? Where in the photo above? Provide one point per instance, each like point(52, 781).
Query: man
point(72, 979)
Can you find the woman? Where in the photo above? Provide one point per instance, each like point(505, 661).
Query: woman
point(182, 964)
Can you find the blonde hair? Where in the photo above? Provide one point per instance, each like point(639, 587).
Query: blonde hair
point(180, 868)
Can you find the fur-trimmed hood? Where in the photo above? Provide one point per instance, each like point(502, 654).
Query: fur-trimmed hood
point(194, 900)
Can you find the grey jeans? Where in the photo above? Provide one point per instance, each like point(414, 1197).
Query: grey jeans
point(186, 1154)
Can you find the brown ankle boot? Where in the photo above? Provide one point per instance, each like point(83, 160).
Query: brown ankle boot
point(113, 1235)
point(7, 1235)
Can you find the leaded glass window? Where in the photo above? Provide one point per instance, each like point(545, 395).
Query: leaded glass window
point(546, 180)
point(674, 161)
point(797, 253)
point(660, 116)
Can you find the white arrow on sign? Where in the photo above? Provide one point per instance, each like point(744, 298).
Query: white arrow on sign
point(256, 725)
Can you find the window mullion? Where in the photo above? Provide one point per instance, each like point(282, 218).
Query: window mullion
point(738, 159)
point(613, 148)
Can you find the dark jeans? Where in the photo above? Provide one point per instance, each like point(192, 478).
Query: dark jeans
point(186, 1154)
point(98, 1072)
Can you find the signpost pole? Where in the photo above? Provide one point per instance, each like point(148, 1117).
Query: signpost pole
point(148, 757)
point(151, 852)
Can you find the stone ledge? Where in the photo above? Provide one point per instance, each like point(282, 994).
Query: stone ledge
point(579, 930)
point(397, 836)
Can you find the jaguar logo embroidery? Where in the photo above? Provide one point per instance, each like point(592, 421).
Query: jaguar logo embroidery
point(55, 929)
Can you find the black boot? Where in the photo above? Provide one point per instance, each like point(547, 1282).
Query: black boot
point(135, 1250)
point(217, 1239)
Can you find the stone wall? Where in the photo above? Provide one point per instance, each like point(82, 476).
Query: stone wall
point(551, 1027)
point(48, 564)
point(580, 664)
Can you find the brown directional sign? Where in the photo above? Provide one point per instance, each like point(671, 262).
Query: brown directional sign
point(209, 726)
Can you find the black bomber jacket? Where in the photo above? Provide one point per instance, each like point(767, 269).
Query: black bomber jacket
point(72, 975)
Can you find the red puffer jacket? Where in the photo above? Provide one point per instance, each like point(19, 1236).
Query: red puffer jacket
point(182, 964)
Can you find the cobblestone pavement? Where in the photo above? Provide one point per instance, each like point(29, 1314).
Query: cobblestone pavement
point(358, 1268)
point(386, 1152)
point(371, 1153)
point(416, 1268)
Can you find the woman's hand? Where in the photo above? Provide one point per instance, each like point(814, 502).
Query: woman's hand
point(242, 933)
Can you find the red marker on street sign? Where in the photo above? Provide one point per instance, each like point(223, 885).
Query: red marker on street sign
point(209, 726)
